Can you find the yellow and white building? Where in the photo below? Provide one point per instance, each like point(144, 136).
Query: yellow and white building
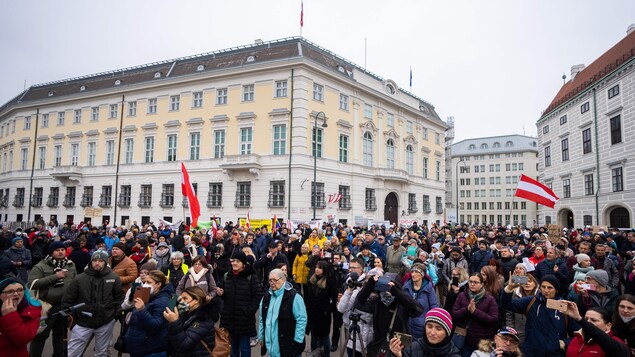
point(242, 120)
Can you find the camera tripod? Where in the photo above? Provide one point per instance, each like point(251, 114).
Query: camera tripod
point(354, 333)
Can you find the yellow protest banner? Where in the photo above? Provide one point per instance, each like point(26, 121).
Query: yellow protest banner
point(256, 223)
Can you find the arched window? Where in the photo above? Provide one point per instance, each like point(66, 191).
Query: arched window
point(409, 160)
point(484, 146)
point(367, 149)
point(496, 145)
point(509, 144)
point(472, 147)
point(390, 154)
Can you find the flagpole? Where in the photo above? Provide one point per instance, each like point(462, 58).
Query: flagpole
point(511, 209)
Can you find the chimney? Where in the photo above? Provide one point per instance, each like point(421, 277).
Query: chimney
point(575, 69)
point(630, 29)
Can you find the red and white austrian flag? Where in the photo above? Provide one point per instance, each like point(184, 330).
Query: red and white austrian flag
point(534, 191)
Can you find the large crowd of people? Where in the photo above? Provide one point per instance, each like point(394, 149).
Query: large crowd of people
point(453, 290)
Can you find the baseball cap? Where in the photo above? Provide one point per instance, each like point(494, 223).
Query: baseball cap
point(509, 331)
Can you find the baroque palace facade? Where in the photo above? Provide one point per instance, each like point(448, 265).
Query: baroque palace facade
point(245, 121)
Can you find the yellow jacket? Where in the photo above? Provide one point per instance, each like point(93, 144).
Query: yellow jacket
point(300, 270)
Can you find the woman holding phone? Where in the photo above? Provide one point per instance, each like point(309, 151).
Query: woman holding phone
point(147, 334)
point(437, 340)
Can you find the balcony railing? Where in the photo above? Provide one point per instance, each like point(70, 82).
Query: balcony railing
point(105, 200)
point(145, 201)
point(87, 200)
point(166, 201)
point(18, 201)
point(123, 201)
point(53, 201)
point(213, 202)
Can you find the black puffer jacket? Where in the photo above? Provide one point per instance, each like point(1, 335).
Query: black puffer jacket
point(421, 347)
point(241, 298)
point(102, 293)
point(186, 333)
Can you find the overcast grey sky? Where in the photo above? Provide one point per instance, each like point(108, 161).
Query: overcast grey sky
point(492, 64)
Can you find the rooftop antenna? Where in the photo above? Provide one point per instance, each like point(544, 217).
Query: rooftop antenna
point(24, 87)
point(564, 78)
point(524, 130)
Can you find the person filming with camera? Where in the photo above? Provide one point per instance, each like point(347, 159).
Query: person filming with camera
point(358, 319)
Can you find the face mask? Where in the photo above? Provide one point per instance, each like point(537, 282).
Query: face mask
point(627, 319)
point(183, 308)
point(146, 285)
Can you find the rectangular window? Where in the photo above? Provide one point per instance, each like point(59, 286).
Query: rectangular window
point(318, 92)
point(547, 156)
point(61, 117)
point(42, 162)
point(105, 199)
point(243, 195)
point(316, 142)
point(38, 195)
point(523, 205)
point(54, 197)
point(125, 196)
point(587, 220)
point(586, 141)
point(219, 144)
point(215, 195)
point(566, 188)
point(45, 122)
point(172, 144)
point(438, 171)
point(588, 184)
point(57, 155)
point(279, 139)
point(617, 179)
point(343, 148)
point(92, 153)
point(563, 120)
point(221, 96)
point(195, 146)
point(370, 200)
point(424, 132)
point(77, 118)
point(149, 149)
point(616, 130)
point(114, 109)
point(132, 108)
point(248, 93)
point(584, 108)
point(110, 152)
point(437, 138)
point(152, 106)
point(545, 129)
point(276, 194)
point(94, 113)
point(317, 195)
point(175, 102)
point(344, 102)
point(425, 167)
point(197, 100)
point(614, 91)
point(409, 127)
point(145, 197)
point(87, 197)
point(368, 111)
point(69, 198)
point(345, 198)
point(390, 154)
point(565, 149)
point(167, 196)
point(412, 203)
point(74, 154)
point(426, 204)
point(128, 150)
point(410, 161)
point(246, 138)
point(281, 89)
point(390, 120)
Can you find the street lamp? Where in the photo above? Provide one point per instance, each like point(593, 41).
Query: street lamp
point(456, 175)
point(314, 186)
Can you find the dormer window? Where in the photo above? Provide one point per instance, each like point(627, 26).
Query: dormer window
point(390, 89)
point(118, 82)
point(82, 88)
point(157, 75)
point(200, 68)
point(51, 93)
point(341, 69)
point(251, 58)
point(472, 147)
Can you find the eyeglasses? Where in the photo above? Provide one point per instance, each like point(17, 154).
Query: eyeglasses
point(273, 281)
point(11, 292)
point(474, 282)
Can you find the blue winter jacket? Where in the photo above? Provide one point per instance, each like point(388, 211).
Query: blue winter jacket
point(427, 298)
point(545, 327)
point(148, 330)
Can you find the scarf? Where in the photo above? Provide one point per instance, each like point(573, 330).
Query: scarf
point(321, 283)
point(579, 269)
point(198, 276)
point(59, 264)
point(478, 296)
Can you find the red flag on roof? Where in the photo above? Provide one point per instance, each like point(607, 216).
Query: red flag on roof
point(535, 191)
point(188, 191)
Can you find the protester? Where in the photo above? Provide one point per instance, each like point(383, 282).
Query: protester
point(624, 320)
point(100, 289)
point(347, 306)
point(300, 270)
point(437, 340)
point(321, 300)
point(20, 257)
point(420, 287)
point(199, 275)
point(177, 269)
point(123, 266)
point(147, 333)
point(598, 294)
point(19, 320)
point(505, 343)
point(191, 324)
point(51, 277)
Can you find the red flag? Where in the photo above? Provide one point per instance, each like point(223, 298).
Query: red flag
point(534, 191)
point(302, 14)
point(214, 227)
point(248, 221)
point(188, 191)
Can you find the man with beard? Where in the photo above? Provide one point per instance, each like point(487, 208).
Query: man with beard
point(607, 264)
point(507, 261)
point(123, 266)
point(100, 289)
point(52, 277)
